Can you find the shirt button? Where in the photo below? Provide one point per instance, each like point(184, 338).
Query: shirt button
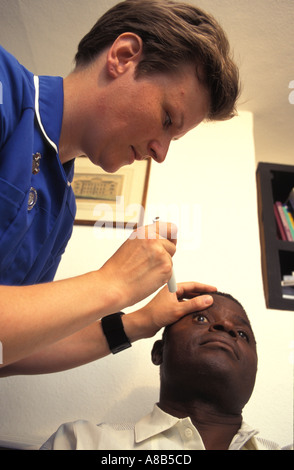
point(33, 196)
point(188, 433)
point(36, 163)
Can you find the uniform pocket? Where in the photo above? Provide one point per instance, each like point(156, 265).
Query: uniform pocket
point(11, 198)
point(15, 221)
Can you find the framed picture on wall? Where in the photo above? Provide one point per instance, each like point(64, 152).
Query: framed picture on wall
point(113, 200)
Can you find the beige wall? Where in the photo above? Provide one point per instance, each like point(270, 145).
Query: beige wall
point(209, 176)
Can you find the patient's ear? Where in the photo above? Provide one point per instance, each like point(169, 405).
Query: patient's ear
point(156, 353)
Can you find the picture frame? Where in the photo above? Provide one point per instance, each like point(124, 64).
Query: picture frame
point(114, 200)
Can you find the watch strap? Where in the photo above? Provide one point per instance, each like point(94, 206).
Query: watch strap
point(114, 332)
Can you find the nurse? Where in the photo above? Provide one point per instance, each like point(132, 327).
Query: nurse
point(127, 98)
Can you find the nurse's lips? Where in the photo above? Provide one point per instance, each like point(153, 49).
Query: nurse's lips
point(138, 157)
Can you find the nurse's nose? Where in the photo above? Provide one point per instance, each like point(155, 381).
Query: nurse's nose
point(158, 150)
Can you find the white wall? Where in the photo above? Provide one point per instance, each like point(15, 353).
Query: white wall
point(209, 176)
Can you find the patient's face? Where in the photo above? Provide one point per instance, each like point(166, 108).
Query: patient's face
point(217, 342)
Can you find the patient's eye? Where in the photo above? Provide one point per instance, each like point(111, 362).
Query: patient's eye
point(199, 318)
point(243, 335)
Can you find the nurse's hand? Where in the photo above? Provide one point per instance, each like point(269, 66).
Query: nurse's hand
point(166, 308)
point(142, 264)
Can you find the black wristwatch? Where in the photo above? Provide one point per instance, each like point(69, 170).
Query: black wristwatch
point(114, 332)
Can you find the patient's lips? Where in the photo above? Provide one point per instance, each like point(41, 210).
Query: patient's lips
point(220, 341)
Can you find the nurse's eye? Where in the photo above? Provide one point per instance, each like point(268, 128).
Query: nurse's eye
point(199, 318)
point(168, 122)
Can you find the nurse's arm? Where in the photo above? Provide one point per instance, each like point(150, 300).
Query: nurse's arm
point(90, 343)
point(34, 317)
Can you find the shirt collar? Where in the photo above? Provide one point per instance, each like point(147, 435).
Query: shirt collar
point(155, 423)
point(245, 435)
point(49, 99)
point(158, 421)
point(49, 107)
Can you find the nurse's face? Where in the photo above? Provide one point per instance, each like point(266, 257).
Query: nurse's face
point(140, 117)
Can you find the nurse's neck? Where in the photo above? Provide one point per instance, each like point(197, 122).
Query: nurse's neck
point(69, 137)
point(83, 91)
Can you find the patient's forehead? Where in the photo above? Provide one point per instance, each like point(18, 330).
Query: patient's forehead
point(226, 299)
point(224, 305)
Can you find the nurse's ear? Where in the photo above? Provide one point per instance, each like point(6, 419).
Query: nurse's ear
point(125, 53)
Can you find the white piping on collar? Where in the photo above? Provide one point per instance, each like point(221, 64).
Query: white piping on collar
point(37, 110)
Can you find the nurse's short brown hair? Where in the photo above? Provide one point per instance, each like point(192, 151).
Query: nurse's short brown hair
point(173, 33)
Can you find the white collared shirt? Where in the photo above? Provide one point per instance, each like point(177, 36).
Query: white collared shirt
point(156, 431)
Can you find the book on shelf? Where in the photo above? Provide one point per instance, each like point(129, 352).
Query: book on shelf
point(290, 201)
point(287, 285)
point(289, 219)
point(288, 292)
point(284, 219)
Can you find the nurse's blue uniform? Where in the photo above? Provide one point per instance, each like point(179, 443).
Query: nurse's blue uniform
point(37, 204)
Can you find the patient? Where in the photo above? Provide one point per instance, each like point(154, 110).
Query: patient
point(208, 365)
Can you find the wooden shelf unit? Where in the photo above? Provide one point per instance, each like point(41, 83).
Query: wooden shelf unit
point(274, 183)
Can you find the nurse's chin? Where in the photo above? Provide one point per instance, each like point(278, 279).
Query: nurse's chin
point(110, 167)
